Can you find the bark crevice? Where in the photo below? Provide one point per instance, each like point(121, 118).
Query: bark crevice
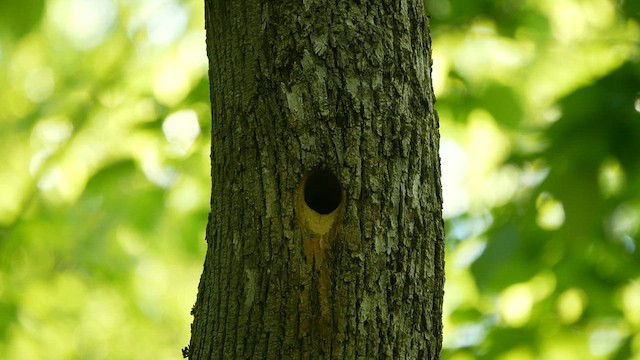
point(297, 87)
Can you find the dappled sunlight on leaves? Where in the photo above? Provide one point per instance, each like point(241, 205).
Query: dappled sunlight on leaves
point(554, 276)
point(105, 177)
point(99, 199)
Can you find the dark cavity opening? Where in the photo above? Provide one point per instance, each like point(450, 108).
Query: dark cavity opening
point(322, 192)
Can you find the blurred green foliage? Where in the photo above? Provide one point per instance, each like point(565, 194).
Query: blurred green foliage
point(104, 182)
point(540, 112)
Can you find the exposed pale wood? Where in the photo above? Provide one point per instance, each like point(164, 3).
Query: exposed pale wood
point(339, 85)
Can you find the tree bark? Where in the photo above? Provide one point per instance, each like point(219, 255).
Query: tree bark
point(325, 238)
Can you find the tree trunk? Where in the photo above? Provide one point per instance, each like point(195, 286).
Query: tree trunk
point(325, 238)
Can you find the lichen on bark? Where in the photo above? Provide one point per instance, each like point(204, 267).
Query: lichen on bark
point(343, 86)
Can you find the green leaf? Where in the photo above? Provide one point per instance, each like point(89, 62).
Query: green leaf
point(504, 104)
point(18, 18)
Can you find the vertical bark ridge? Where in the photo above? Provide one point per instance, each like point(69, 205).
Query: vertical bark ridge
point(340, 85)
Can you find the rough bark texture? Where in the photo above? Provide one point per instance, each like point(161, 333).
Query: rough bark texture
point(343, 86)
